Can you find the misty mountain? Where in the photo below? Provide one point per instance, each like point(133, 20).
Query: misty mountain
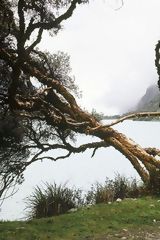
point(150, 100)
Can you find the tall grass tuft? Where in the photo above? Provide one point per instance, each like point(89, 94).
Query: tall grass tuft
point(119, 187)
point(52, 200)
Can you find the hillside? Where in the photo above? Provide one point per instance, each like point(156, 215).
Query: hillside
point(128, 219)
point(150, 101)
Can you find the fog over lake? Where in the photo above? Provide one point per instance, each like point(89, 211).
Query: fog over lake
point(80, 170)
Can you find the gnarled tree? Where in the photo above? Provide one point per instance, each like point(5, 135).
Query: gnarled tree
point(38, 104)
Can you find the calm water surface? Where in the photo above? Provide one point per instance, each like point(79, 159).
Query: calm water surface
point(81, 170)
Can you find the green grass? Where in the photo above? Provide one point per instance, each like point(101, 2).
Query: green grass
point(93, 223)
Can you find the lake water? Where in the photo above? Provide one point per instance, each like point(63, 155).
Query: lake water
point(80, 170)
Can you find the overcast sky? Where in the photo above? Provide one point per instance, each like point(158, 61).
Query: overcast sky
point(112, 52)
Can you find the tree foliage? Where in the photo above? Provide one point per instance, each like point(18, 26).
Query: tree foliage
point(39, 112)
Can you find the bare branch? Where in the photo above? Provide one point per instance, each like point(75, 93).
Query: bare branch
point(21, 17)
point(94, 151)
point(56, 22)
point(133, 116)
point(122, 3)
point(127, 117)
point(34, 44)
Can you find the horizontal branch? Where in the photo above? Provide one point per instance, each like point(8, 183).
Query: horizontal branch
point(127, 117)
point(133, 116)
point(67, 147)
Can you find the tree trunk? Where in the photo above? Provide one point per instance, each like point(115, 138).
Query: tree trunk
point(147, 166)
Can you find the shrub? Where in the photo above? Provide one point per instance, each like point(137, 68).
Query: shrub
point(58, 199)
point(52, 200)
point(120, 187)
point(100, 193)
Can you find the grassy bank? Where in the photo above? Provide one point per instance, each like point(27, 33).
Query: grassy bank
point(122, 220)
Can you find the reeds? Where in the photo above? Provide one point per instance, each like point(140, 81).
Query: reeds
point(120, 187)
point(52, 200)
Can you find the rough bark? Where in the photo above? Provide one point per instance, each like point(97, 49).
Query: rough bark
point(80, 121)
point(60, 110)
